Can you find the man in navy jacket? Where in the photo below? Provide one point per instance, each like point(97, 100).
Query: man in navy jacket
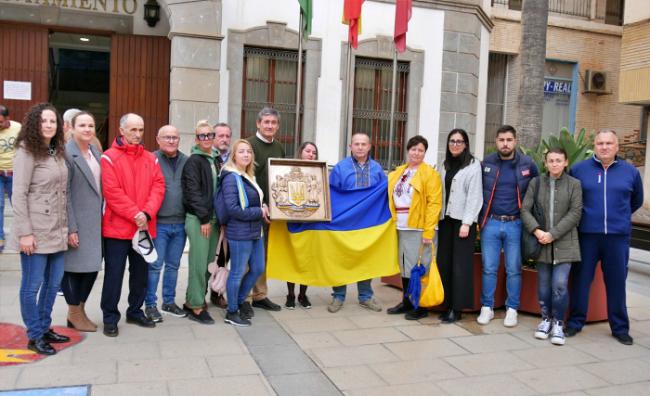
point(611, 190)
point(506, 175)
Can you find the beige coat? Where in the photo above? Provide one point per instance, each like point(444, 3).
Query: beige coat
point(39, 201)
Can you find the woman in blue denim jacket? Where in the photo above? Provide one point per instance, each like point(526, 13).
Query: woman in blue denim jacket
point(243, 201)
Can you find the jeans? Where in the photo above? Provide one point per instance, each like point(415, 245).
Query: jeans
point(5, 187)
point(496, 235)
point(169, 243)
point(552, 289)
point(364, 288)
point(240, 282)
point(117, 251)
point(41, 278)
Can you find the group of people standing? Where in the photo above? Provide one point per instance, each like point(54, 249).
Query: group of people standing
point(75, 206)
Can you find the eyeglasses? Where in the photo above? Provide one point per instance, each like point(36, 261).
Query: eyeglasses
point(205, 136)
point(456, 142)
point(170, 139)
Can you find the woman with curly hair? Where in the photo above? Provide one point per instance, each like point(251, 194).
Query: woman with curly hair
point(40, 227)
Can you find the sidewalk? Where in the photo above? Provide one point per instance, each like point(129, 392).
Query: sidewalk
point(353, 352)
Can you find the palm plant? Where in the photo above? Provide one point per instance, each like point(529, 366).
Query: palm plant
point(577, 147)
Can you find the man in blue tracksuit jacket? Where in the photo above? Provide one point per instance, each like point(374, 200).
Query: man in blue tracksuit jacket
point(611, 191)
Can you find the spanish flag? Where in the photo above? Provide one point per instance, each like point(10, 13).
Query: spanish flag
point(359, 243)
point(352, 18)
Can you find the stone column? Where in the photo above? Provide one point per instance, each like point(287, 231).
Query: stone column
point(460, 72)
point(195, 32)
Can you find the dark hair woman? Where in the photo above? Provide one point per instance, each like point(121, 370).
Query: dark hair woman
point(414, 198)
point(463, 199)
point(306, 151)
point(83, 260)
point(40, 228)
point(560, 197)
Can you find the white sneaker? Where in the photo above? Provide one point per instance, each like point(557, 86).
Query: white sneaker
point(543, 329)
point(511, 318)
point(557, 333)
point(487, 314)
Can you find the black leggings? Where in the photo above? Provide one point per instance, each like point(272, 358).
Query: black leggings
point(76, 286)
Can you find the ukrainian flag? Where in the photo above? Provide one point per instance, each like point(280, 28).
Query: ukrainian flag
point(359, 243)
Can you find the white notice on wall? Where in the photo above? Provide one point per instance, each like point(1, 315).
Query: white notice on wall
point(18, 90)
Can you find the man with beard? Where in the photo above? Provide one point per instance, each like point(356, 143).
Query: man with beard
point(506, 175)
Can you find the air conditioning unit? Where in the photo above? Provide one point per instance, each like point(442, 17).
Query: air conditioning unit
point(596, 82)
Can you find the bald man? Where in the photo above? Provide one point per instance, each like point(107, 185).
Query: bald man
point(170, 239)
point(134, 187)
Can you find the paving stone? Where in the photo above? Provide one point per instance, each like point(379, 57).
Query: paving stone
point(420, 389)
point(490, 343)
point(498, 385)
point(374, 320)
point(87, 352)
point(620, 371)
point(223, 366)
point(315, 340)
point(268, 334)
point(9, 376)
point(134, 334)
point(638, 389)
point(321, 324)
point(306, 384)
point(39, 376)
point(644, 341)
point(170, 369)
point(369, 336)
point(610, 349)
point(219, 329)
point(488, 363)
point(246, 385)
point(553, 356)
point(641, 326)
point(353, 377)
point(412, 371)
point(207, 347)
point(434, 331)
point(282, 359)
point(425, 349)
point(559, 379)
point(352, 356)
point(132, 389)
point(639, 313)
point(636, 300)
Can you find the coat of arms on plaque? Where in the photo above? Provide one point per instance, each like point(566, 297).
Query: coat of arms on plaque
point(298, 190)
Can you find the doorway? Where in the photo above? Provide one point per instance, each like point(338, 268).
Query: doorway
point(79, 75)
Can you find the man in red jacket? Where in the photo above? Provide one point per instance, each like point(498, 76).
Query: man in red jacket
point(134, 188)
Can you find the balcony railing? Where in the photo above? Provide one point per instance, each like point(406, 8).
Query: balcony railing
point(579, 8)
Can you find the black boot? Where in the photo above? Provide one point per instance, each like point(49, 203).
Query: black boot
point(416, 314)
point(405, 305)
point(452, 316)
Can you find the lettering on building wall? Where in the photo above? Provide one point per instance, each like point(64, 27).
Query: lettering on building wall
point(113, 6)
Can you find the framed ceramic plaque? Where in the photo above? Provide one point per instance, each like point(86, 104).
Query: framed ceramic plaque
point(299, 190)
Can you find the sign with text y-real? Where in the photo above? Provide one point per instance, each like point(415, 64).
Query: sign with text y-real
point(557, 87)
point(17, 90)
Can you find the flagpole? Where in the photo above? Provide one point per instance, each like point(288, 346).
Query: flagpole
point(392, 111)
point(348, 94)
point(296, 139)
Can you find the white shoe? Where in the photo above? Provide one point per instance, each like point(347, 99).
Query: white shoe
point(487, 314)
point(543, 329)
point(511, 318)
point(557, 333)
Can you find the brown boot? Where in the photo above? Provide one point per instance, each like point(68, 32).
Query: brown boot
point(76, 320)
point(90, 323)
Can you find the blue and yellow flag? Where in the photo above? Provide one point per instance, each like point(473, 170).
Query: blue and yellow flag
point(359, 243)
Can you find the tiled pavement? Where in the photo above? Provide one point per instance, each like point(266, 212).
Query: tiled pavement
point(353, 352)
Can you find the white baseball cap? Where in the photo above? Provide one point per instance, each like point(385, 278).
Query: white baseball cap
point(143, 244)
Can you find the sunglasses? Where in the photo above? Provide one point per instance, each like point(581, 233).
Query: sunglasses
point(205, 136)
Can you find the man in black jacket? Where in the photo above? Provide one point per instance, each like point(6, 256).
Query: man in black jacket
point(199, 185)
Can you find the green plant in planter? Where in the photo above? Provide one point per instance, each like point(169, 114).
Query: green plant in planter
point(578, 147)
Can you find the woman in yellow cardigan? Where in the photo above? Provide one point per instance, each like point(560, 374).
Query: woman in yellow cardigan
point(415, 199)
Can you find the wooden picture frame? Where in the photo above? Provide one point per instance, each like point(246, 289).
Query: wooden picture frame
point(299, 190)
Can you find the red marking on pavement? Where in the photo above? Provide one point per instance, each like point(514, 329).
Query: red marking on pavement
point(13, 344)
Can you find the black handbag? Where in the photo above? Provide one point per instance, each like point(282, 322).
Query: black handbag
point(530, 246)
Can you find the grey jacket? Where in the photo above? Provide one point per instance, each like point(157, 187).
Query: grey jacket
point(39, 202)
point(84, 211)
point(466, 195)
point(172, 210)
point(566, 216)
